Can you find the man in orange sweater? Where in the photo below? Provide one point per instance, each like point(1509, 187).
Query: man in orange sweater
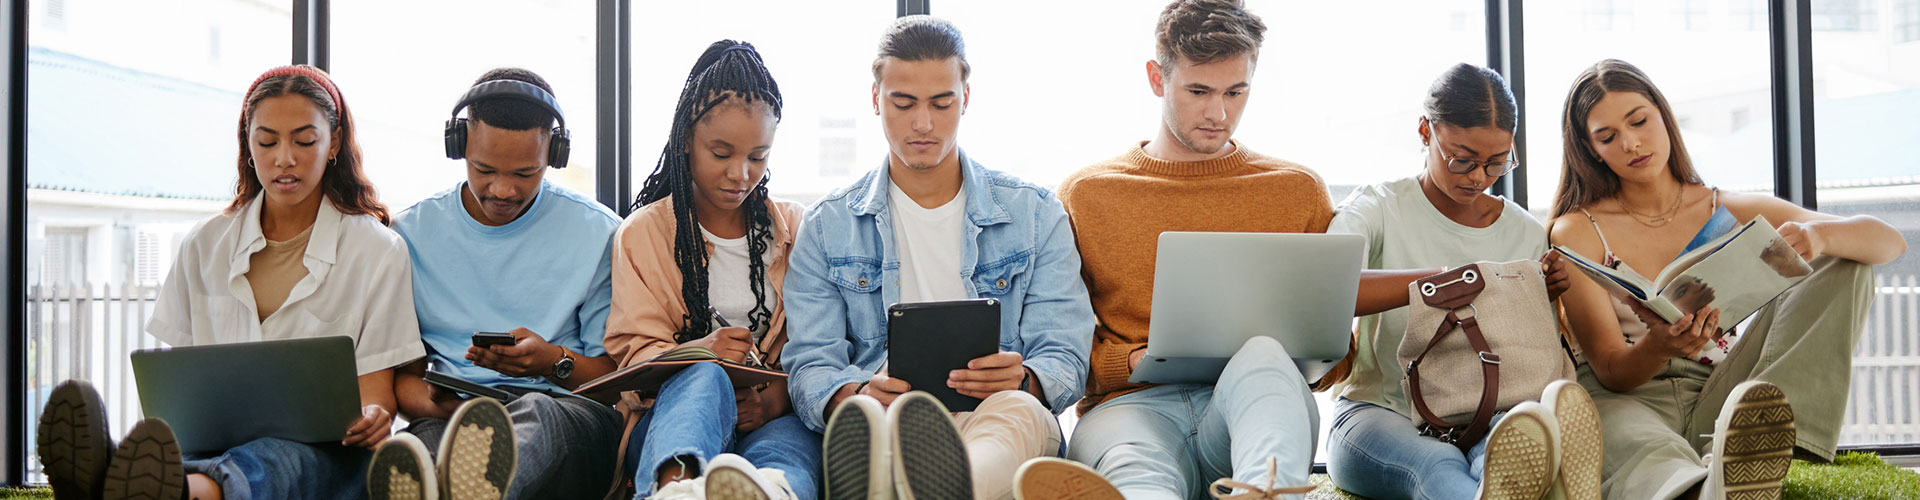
point(1171, 441)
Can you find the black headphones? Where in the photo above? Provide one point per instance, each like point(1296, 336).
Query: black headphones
point(456, 133)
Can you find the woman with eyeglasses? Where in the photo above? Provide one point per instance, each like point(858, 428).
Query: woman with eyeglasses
point(1752, 399)
point(1438, 218)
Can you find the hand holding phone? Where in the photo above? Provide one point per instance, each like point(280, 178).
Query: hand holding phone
point(490, 339)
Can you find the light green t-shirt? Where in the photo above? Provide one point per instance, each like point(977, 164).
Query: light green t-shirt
point(1405, 231)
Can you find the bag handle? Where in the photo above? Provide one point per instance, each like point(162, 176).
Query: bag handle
point(1462, 436)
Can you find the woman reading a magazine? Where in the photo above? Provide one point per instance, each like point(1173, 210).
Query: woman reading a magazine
point(1669, 390)
point(706, 248)
point(1415, 226)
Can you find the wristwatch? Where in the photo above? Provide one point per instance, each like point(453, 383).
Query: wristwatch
point(563, 368)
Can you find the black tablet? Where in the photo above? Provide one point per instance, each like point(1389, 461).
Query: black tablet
point(926, 340)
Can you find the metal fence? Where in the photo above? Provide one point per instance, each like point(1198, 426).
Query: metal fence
point(1884, 406)
point(85, 332)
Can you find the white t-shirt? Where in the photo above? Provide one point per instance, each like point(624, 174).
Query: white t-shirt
point(728, 289)
point(359, 283)
point(929, 243)
point(1405, 231)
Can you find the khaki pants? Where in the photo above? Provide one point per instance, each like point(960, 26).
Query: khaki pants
point(1803, 343)
point(1006, 430)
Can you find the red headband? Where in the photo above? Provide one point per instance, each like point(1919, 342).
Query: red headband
point(303, 70)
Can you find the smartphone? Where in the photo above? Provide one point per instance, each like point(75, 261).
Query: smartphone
point(490, 339)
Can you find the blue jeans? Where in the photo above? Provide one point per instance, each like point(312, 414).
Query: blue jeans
point(694, 417)
point(277, 468)
point(1378, 453)
point(1171, 441)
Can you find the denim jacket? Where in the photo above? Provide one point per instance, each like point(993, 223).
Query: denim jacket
point(844, 272)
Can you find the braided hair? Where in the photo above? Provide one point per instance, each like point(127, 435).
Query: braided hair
point(728, 70)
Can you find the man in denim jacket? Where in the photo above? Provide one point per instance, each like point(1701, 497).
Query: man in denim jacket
point(932, 225)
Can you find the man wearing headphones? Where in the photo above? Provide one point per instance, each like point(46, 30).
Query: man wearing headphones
point(512, 287)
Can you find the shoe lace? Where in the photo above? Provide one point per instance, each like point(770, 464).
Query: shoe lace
point(1223, 488)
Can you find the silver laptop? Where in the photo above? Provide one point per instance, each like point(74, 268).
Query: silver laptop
point(216, 397)
point(1213, 291)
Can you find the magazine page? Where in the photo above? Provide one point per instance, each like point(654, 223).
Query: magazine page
point(1742, 276)
point(1622, 281)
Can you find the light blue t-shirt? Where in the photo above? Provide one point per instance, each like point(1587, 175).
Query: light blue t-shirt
point(548, 271)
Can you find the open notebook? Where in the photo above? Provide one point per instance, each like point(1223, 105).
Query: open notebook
point(648, 376)
point(1739, 273)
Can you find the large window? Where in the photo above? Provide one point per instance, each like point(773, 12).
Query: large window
point(828, 133)
point(402, 66)
point(1050, 97)
point(131, 143)
point(1865, 87)
point(1722, 102)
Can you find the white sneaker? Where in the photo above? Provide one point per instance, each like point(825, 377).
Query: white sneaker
point(1581, 447)
point(1522, 455)
point(477, 454)
point(402, 470)
point(930, 460)
point(730, 477)
point(856, 455)
point(1752, 444)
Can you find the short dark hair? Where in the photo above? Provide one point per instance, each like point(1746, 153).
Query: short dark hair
point(512, 114)
point(1205, 31)
point(1469, 96)
point(922, 38)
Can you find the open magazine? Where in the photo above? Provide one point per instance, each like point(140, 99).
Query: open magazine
point(648, 376)
point(1739, 273)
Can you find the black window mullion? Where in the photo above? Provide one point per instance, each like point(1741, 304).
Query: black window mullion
point(1791, 48)
point(311, 27)
point(905, 8)
point(1504, 55)
point(14, 360)
point(612, 105)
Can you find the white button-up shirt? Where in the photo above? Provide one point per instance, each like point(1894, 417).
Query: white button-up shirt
point(359, 283)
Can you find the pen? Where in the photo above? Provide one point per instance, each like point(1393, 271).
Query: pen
point(722, 321)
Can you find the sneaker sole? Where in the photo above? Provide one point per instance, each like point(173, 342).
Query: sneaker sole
point(398, 472)
point(146, 466)
point(733, 484)
point(477, 454)
point(72, 440)
point(1519, 461)
point(1759, 444)
point(937, 469)
point(1055, 479)
point(847, 460)
point(1581, 447)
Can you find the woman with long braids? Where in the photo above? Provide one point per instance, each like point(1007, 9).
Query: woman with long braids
point(700, 262)
point(302, 251)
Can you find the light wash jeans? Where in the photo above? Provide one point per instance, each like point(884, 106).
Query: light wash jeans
point(272, 468)
point(565, 445)
point(1171, 441)
point(694, 417)
point(1377, 453)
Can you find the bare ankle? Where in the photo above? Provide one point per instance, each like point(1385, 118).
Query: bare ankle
point(202, 487)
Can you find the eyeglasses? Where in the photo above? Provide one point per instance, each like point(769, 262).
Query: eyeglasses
point(1493, 168)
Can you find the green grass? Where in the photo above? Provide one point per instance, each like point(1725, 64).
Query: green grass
point(25, 493)
point(1852, 475)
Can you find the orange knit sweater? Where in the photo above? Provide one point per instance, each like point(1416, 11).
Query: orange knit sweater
point(1120, 206)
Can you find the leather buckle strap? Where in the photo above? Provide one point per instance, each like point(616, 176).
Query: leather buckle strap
point(1462, 436)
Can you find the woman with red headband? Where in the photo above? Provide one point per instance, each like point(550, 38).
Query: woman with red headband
point(302, 251)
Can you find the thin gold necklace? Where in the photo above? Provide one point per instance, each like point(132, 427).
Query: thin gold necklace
point(1653, 220)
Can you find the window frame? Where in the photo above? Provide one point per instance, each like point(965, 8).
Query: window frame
point(1789, 25)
